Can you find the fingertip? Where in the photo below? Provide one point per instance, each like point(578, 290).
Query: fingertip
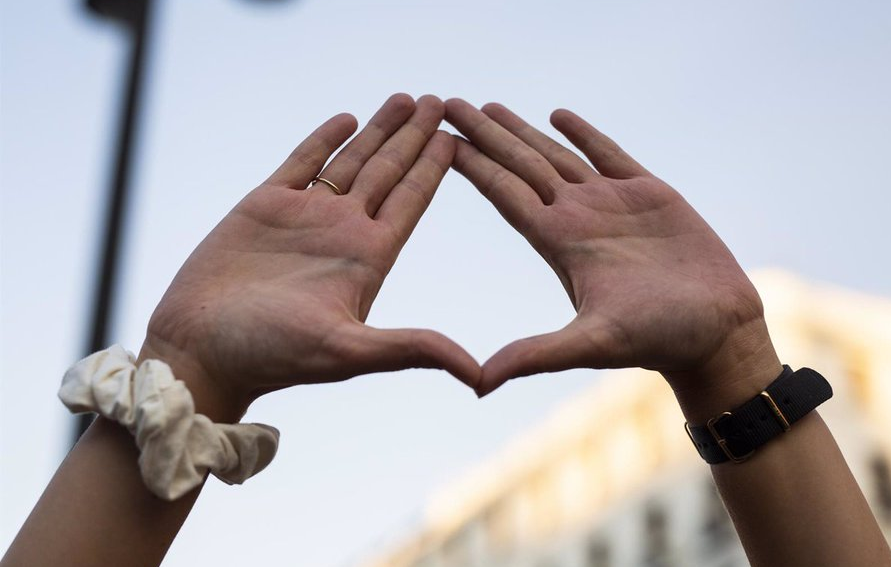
point(493, 108)
point(401, 101)
point(561, 116)
point(443, 137)
point(463, 149)
point(430, 99)
point(345, 122)
point(506, 118)
point(444, 353)
point(487, 385)
point(446, 140)
point(493, 374)
point(441, 149)
point(455, 105)
point(466, 371)
point(433, 102)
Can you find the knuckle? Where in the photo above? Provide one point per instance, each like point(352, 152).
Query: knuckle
point(515, 153)
point(414, 349)
point(415, 187)
point(498, 178)
point(303, 157)
point(391, 160)
point(478, 124)
point(352, 156)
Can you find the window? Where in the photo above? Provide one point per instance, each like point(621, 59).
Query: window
point(598, 554)
point(500, 522)
point(657, 547)
point(456, 550)
point(717, 529)
point(881, 474)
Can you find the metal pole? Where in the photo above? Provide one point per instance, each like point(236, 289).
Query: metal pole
point(134, 14)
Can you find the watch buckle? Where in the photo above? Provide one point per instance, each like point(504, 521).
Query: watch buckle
point(722, 443)
point(690, 435)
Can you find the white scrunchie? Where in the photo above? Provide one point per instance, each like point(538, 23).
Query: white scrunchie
point(177, 446)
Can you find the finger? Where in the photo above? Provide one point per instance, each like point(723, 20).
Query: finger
point(403, 207)
point(505, 148)
point(570, 166)
point(570, 347)
point(398, 154)
point(609, 159)
point(348, 162)
point(310, 156)
point(387, 350)
point(513, 198)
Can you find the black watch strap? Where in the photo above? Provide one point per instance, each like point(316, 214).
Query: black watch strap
point(734, 435)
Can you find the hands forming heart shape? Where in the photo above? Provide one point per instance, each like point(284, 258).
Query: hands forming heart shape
point(277, 294)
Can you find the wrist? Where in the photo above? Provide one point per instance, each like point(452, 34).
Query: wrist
point(743, 367)
point(211, 398)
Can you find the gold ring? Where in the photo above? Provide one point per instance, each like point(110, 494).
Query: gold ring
point(333, 187)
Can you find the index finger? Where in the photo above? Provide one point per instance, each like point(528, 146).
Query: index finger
point(606, 155)
point(571, 167)
point(505, 148)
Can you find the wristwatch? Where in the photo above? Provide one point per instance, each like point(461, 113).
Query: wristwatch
point(735, 435)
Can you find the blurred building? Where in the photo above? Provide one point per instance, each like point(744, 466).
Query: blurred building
point(612, 480)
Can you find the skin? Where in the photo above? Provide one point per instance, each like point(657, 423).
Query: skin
point(653, 286)
point(278, 293)
point(275, 296)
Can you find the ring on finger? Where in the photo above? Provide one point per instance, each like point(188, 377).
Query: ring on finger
point(335, 188)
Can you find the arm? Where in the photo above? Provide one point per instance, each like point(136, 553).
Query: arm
point(275, 296)
point(653, 286)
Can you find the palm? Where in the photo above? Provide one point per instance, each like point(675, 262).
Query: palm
point(646, 269)
point(652, 284)
point(278, 292)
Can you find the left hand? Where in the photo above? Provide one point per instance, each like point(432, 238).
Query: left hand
point(277, 294)
point(652, 284)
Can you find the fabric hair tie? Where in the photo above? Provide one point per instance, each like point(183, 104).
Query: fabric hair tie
point(177, 446)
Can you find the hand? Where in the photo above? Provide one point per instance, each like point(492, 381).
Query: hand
point(277, 294)
point(652, 284)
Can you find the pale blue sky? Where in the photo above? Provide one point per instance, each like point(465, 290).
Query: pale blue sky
point(771, 117)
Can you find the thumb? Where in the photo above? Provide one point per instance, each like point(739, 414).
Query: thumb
point(570, 347)
point(386, 350)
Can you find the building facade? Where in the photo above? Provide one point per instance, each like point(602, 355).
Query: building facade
point(611, 480)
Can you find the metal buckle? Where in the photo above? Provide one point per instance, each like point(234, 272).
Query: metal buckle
point(690, 435)
point(722, 443)
point(776, 411)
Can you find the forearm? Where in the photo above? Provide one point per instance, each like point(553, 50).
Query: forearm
point(795, 501)
point(97, 510)
point(655, 287)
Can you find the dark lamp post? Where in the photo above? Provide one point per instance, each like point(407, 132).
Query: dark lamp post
point(135, 17)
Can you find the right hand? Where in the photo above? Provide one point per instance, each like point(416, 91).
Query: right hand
point(652, 284)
